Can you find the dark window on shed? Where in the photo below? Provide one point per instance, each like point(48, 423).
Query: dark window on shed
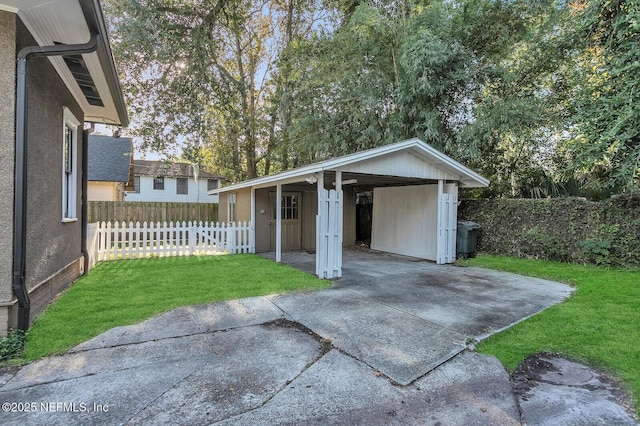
point(289, 209)
point(158, 182)
point(182, 186)
point(212, 184)
point(136, 184)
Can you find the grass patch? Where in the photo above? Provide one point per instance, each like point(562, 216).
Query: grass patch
point(129, 291)
point(599, 325)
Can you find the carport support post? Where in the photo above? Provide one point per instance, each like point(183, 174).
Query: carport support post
point(440, 244)
point(278, 222)
point(252, 224)
point(338, 254)
point(319, 218)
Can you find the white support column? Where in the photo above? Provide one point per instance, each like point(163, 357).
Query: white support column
point(278, 222)
point(338, 258)
point(252, 225)
point(319, 217)
point(440, 243)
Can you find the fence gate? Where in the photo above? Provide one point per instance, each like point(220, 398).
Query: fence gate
point(329, 234)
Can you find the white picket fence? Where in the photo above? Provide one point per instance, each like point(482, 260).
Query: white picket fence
point(110, 241)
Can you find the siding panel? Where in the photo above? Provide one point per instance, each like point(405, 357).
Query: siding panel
point(405, 220)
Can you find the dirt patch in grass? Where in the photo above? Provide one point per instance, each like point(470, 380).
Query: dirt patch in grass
point(534, 370)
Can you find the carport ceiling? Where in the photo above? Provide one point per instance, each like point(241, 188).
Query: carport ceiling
point(365, 182)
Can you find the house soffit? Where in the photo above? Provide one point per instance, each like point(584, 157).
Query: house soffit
point(63, 21)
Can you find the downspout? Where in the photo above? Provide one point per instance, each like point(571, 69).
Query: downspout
point(20, 191)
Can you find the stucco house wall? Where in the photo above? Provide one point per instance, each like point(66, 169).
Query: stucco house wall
point(7, 153)
point(53, 247)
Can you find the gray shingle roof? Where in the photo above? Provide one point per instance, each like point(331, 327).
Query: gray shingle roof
point(167, 169)
point(109, 158)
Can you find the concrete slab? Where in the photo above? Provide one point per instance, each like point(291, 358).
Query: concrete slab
point(371, 332)
point(186, 380)
point(404, 316)
point(189, 320)
point(340, 390)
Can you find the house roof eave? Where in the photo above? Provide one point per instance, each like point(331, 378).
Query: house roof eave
point(73, 22)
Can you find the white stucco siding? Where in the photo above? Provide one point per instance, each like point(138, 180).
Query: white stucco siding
point(405, 220)
point(402, 164)
point(197, 192)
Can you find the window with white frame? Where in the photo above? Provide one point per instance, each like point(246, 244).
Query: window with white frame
point(158, 183)
point(212, 184)
point(136, 184)
point(232, 208)
point(69, 166)
point(182, 186)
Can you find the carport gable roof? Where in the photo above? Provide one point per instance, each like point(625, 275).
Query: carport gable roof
point(411, 151)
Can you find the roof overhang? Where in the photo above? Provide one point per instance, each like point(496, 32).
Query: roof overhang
point(450, 169)
point(72, 22)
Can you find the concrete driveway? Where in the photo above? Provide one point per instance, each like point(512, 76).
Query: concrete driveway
point(384, 345)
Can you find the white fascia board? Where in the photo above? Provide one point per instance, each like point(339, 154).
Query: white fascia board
point(296, 175)
point(290, 176)
point(8, 8)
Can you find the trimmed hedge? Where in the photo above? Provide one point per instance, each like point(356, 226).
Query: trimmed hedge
point(565, 229)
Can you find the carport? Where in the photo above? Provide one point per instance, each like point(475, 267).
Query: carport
point(312, 208)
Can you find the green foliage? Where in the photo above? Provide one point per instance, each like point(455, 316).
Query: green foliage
point(12, 345)
point(538, 244)
point(598, 325)
point(605, 148)
point(596, 251)
point(565, 229)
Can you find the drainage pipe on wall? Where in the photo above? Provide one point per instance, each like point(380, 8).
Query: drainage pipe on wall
point(20, 198)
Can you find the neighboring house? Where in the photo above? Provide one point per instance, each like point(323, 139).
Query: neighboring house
point(415, 195)
point(57, 73)
point(110, 170)
point(172, 182)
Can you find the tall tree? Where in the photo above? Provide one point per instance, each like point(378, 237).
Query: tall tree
point(204, 73)
point(604, 153)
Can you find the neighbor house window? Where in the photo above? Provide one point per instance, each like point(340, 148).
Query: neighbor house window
point(232, 207)
point(69, 166)
point(182, 186)
point(212, 184)
point(158, 182)
point(136, 184)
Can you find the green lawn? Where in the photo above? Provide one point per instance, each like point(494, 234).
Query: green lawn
point(129, 291)
point(598, 325)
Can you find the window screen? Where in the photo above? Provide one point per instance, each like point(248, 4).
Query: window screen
point(182, 186)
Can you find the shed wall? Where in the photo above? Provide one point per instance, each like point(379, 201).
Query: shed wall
point(405, 220)
point(223, 207)
point(263, 231)
point(243, 205)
